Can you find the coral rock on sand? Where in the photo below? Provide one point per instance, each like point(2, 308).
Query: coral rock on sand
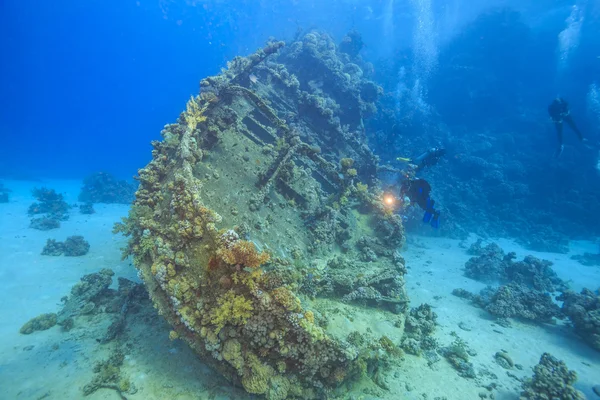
point(552, 380)
point(583, 310)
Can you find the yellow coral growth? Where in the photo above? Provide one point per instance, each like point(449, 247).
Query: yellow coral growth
point(256, 375)
point(339, 374)
point(194, 114)
point(315, 332)
point(346, 163)
point(361, 187)
point(286, 299)
point(233, 309)
point(310, 316)
point(248, 279)
point(232, 353)
point(243, 252)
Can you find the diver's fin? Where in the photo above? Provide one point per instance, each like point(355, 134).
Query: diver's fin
point(587, 144)
point(435, 221)
point(559, 151)
point(404, 159)
point(427, 217)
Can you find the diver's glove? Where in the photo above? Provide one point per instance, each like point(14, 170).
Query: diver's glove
point(559, 151)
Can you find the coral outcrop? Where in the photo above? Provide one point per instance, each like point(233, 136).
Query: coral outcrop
point(247, 203)
point(108, 375)
point(419, 328)
point(50, 203)
point(583, 310)
point(76, 246)
point(73, 246)
point(551, 380)
point(51, 207)
point(92, 295)
point(39, 323)
point(488, 264)
point(103, 187)
point(44, 223)
point(491, 265)
point(457, 354)
point(53, 248)
point(515, 301)
point(525, 288)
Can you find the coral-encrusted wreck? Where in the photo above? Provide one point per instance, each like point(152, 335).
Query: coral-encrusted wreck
point(258, 212)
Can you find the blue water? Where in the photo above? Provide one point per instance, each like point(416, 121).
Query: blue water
point(86, 85)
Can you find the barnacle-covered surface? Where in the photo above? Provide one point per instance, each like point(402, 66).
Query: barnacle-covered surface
point(256, 224)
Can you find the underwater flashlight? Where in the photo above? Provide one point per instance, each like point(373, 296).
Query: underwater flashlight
point(389, 200)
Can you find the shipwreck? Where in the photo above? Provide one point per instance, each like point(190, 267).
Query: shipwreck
point(258, 227)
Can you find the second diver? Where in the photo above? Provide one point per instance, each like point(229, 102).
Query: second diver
point(417, 190)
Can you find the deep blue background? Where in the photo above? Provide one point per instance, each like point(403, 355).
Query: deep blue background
point(88, 85)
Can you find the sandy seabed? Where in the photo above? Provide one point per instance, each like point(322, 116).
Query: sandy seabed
point(53, 364)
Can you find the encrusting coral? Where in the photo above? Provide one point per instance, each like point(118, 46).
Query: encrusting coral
point(243, 253)
point(233, 309)
point(39, 323)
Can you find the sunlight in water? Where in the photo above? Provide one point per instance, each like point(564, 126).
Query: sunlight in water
point(388, 27)
point(568, 39)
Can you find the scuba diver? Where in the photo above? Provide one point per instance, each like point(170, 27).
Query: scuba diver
point(427, 159)
point(417, 190)
point(559, 112)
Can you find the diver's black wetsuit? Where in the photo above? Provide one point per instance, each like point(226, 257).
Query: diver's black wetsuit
point(559, 112)
point(418, 190)
point(429, 158)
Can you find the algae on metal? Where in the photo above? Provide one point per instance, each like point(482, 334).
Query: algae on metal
point(262, 187)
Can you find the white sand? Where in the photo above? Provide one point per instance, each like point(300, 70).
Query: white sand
point(60, 363)
point(436, 266)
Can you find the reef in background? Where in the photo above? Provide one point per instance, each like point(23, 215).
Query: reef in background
point(51, 208)
point(499, 178)
point(491, 265)
point(525, 292)
point(103, 187)
point(258, 214)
